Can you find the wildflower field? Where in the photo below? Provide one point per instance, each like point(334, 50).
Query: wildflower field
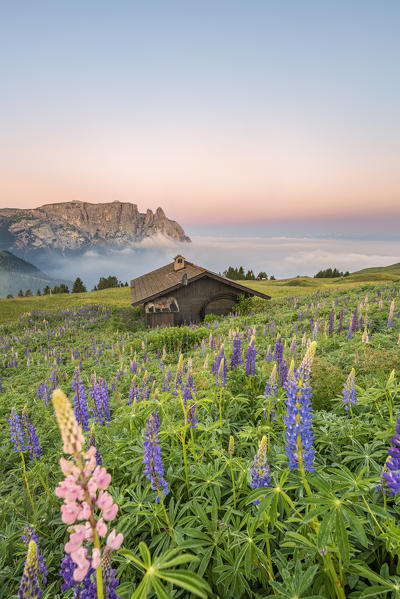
point(252, 456)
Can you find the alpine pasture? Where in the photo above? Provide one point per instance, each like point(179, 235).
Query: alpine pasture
point(253, 456)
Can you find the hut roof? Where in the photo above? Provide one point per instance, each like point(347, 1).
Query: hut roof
point(166, 279)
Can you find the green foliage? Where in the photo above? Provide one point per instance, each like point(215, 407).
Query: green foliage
point(336, 536)
point(330, 273)
point(108, 282)
point(78, 286)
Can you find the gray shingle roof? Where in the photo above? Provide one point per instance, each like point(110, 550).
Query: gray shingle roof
point(165, 279)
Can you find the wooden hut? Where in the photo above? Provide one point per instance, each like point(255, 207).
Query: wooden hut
point(181, 292)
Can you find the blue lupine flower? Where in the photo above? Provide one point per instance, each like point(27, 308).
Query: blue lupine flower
point(283, 370)
point(80, 403)
point(390, 318)
point(251, 357)
point(16, 432)
point(278, 352)
point(32, 439)
point(341, 315)
point(260, 472)
point(354, 321)
point(30, 587)
point(236, 357)
point(349, 392)
point(53, 379)
point(270, 391)
point(179, 372)
point(30, 534)
point(154, 467)
point(92, 442)
point(392, 466)
point(331, 321)
point(298, 421)
point(268, 354)
point(220, 368)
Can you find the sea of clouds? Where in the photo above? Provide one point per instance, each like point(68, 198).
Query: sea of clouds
point(280, 256)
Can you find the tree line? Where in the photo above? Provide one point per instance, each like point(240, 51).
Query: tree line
point(77, 287)
point(331, 273)
point(239, 274)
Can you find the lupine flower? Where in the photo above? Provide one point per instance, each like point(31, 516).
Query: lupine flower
point(32, 440)
point(349, 392)
point(331, 321)
point(154, 467)
point(53, 380)
point(221, 370)
point(84, 492)
point(80, 403)
point(29, 587)
point(391, 472)
point(30, 534)
point(231, 445)
point(390, 318)
point(278, 353)
point(298, 421)
point(16, 432)
point(99, 392)
point(282, 371)
point(365, 336)
point(354, 321)
point(271, 389)
point(260, 472)
point(236, 357)
point(293, 346)
point(251, 357)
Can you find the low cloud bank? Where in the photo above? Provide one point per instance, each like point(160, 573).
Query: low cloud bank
point(281, 256)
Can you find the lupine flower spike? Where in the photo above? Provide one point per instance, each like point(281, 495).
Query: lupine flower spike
point(85, 498)
point(349, 392)
point(299, 437)
point(260, 472)
point(391, 471)
point(29, 587)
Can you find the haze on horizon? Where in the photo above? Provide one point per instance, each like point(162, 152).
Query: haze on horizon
point(223, 113)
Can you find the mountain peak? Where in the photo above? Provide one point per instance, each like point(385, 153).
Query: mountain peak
point(78, 226)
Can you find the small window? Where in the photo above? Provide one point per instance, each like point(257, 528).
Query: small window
point(179, 260)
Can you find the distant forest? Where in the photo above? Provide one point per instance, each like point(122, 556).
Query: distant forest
point(330, 273)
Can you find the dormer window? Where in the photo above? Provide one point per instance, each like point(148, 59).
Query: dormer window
point(179, 262)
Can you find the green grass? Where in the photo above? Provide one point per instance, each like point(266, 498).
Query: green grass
point(11, 309)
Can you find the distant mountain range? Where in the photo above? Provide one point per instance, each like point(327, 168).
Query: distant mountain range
point(16, 274)
point(75, 227)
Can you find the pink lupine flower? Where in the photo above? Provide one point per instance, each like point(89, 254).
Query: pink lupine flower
point(114, 541)
point(87, 504)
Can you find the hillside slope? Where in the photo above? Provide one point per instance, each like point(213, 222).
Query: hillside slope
point(16, 274)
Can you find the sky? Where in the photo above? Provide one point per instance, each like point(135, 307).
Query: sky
point(280, 117)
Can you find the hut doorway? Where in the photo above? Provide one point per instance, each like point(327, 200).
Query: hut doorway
point(218, 304)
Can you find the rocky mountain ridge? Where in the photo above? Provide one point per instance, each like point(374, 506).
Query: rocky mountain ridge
point(79, 226)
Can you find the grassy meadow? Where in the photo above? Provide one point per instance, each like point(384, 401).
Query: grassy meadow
point(248, 456)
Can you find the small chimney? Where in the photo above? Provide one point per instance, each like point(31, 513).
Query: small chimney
point(179, 262)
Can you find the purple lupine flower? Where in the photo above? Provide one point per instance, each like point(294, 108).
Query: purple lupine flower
point(31, 436)
point(298, 421)
point(16, 432)
point(293, 346)
point(331, 321)
point(220, 369)
point(354, 321)
point(165, 386)
point(30, 534)
point(251, 357)
point(278, 353)
point(260, 472)
point(349, 332)
point(53, 379)
point(283, 371)
point(188, 396)
point(154, 467)
point(390, 318)
point(85, 589)
point(80, 403)
point(392, 467)
point(236, 357)
point(133, 390)
point(30, 587)
point(349, 392)
point(341, 316)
